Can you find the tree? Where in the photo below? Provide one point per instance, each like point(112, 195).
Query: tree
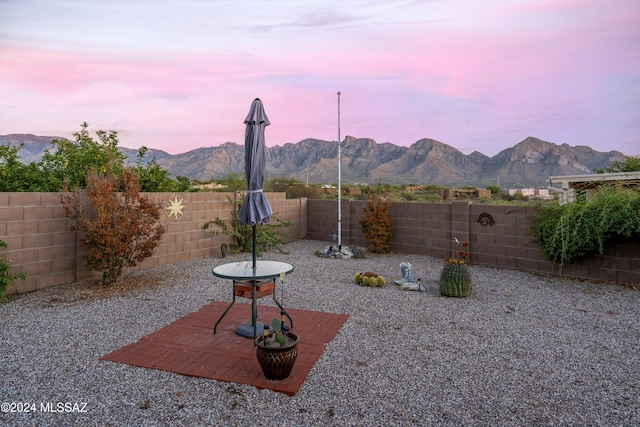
point(126, 228)
point(495, 190)
point(152, 176)
point(183, 184)
point(67, 164)
point(64, 167)
point(16, 176)
point(629, 164)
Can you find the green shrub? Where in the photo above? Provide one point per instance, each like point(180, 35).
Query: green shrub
point(6, 276)
point(268, 235)
point(566, 233)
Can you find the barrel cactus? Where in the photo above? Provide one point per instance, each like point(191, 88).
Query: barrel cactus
point(455, 280)
point(357, 279)
point(359, 252)
point(370, 279)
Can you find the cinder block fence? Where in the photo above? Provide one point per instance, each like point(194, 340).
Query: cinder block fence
point(499, 236)
point(41, 244)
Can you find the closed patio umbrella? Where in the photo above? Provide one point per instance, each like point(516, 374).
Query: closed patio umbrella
point(255, 208)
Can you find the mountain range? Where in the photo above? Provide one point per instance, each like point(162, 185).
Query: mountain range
point(529, 163)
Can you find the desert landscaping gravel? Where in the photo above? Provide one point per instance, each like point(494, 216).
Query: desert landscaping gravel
point(522, 350)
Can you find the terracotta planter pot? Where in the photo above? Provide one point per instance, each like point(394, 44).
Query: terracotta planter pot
point(277, 362)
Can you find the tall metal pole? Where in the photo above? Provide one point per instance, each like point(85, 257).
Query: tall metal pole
point(255, 249)
point(339, 182)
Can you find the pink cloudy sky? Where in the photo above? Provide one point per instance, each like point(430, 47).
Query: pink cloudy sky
point(178, 75)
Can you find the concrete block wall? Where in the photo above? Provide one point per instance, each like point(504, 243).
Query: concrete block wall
point(506, 240)
point(498, 236)
point(322, 218)
point(41, 244)
point(38, 238)
point(292, 210)
point(184, 237)
point(425, 228)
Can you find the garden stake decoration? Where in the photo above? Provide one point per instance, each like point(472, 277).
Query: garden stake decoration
point(282, 313)
point(405, 272)
point(282, 290)
point(455, 280)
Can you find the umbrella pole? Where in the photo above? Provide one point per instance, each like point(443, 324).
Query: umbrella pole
point(255, 248)
point(339, 182)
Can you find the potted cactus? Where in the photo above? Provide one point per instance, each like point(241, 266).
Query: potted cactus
point(455, 280)
point(277, 350)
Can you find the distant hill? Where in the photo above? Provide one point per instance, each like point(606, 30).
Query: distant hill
point(529, 163)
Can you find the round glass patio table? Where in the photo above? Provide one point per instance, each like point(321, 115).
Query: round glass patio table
point(244, 272)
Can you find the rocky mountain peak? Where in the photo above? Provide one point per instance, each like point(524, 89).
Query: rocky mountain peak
point(427, 161)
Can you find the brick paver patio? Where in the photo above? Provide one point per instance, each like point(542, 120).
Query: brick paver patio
point(188, 346)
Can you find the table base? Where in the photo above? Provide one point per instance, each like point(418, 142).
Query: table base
point(258, 289)
point(246, 330)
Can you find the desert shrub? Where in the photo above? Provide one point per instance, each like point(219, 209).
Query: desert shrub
point(566, 233)
point(376, 224)
point(6, 276)
point(409, 197)
point(268, 236)
point(126, 228)
point(437, 198)
point(293, 187)
point(233, 182)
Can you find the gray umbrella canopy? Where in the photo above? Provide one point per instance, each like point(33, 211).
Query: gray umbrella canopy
point(255, 207)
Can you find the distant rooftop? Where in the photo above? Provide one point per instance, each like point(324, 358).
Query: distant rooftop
point(592, 179)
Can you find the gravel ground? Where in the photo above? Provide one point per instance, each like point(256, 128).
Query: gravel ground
point(521, 350)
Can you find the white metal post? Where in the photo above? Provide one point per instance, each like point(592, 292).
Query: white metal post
point(339, 182)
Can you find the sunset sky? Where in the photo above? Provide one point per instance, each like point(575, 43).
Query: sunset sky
point(178, 75)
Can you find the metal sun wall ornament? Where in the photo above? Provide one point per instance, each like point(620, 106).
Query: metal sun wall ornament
point(485, 219)
point(175, 208)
